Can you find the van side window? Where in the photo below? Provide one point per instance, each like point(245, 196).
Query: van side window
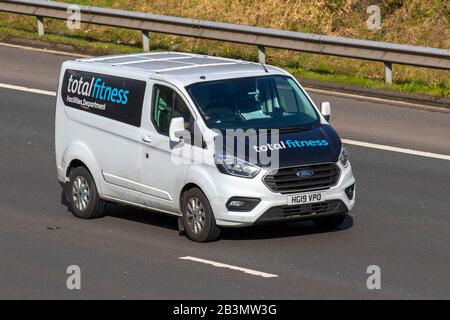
point(162, 108)
point(167, 104)
point(181, 110)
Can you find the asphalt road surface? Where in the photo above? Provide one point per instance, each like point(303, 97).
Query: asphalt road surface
point(401, 222)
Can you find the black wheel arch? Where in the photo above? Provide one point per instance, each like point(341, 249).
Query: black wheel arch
point(186, 188)
point(75, 163)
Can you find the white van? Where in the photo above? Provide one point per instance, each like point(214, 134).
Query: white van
point(217, 142)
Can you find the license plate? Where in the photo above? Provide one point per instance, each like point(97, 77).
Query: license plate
point(306, 198)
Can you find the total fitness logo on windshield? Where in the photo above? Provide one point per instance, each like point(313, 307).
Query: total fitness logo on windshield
point(288, 144)
point(113, 97)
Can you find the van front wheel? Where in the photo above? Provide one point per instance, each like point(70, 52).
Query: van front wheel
point(84, 200)
point(198, 218)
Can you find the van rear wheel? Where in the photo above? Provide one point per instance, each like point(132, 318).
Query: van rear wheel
point(198, 218)
point(85, 202)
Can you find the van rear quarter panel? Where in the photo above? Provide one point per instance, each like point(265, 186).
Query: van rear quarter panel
point(103, 144)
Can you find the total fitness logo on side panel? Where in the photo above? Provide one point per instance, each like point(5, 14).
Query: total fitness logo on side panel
point(97, 89)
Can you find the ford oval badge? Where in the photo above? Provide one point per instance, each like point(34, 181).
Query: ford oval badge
point(305, 173)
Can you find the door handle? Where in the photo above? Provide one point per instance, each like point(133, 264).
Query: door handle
point(146, 139)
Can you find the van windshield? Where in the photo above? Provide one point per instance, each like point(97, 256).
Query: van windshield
point(263, 102)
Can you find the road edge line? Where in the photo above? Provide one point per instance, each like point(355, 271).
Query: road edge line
point(396, 103)
point(397, 149)
point(62, 53)
point(393, 102)
point(26, 89)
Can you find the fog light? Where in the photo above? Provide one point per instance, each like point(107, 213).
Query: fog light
point(242, 204)
point(236, 203)
point(350, 192)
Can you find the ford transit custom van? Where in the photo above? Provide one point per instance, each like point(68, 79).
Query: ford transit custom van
point(217, 142)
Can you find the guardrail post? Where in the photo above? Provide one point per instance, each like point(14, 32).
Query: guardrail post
point(388, 72)
point(262, 54)
point(40, 26)
point(146, 41)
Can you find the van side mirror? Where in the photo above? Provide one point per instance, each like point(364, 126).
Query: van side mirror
point(325, 110)
point(177, 132)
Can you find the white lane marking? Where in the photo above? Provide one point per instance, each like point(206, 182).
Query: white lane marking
point(351, 142)
point(374, 99)
point(396, 149)
point(227, 266)
point(25, 89)
point(61, 53)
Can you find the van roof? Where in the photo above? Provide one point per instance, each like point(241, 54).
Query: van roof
point(185, 67)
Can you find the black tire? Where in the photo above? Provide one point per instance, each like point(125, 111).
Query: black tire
point(209, 231)
point(332, 222)
point(92, 205)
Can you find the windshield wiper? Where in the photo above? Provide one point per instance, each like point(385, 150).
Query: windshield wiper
point(295, 129)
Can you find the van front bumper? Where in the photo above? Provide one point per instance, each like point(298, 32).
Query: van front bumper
point(273, 206)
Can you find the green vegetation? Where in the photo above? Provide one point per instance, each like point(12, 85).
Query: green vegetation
point(415, 22)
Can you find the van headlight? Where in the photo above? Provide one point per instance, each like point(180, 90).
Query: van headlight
point(236, 167)
point(343, 157)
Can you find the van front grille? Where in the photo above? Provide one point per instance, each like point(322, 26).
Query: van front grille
point(311, 208)
point(301, 212)
point(316, 177)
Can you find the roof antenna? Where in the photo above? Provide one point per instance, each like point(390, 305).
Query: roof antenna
point(265, 69)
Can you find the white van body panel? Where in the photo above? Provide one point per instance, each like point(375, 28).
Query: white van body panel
point(114, 152)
